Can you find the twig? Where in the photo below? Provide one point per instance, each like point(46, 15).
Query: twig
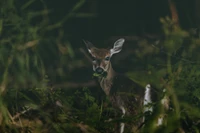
point(28, 45)
point(174, 13)
point(20, 113)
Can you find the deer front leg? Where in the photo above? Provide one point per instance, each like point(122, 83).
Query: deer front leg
point(122, 124)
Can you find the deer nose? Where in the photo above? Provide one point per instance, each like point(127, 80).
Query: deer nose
point(99, 70)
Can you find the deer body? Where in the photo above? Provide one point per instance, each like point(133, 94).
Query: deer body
point(123, 93)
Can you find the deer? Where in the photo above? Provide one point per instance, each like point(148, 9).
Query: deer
point(125, 95)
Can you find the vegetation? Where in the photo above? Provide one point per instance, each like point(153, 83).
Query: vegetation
point(35, 63)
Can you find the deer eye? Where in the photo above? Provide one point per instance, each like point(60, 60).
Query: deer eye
point(107, 58)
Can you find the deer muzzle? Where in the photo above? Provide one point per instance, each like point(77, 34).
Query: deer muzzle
point(99, 70)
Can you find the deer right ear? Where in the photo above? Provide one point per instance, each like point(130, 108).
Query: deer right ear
point(117, 46)
point(89, 45)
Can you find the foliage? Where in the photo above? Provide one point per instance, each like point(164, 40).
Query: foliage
point(175, 70)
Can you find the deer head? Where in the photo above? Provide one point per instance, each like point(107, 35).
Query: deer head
point(101, 57)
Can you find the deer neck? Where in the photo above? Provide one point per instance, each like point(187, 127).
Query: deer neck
point(107, 82)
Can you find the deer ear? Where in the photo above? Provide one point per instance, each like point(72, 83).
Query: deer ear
point(117, 46)
point(89, 45)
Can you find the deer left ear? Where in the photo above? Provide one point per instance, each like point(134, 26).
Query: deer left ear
point(89, 45)
point(117, 46)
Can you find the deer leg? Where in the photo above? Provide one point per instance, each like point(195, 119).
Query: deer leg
point(165, 105)
point(122, 124)
point(147, 100)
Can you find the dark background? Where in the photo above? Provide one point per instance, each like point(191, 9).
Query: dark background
point(108, 18)
point(115, 17)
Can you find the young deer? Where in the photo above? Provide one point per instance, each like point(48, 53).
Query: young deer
point(124, 94)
